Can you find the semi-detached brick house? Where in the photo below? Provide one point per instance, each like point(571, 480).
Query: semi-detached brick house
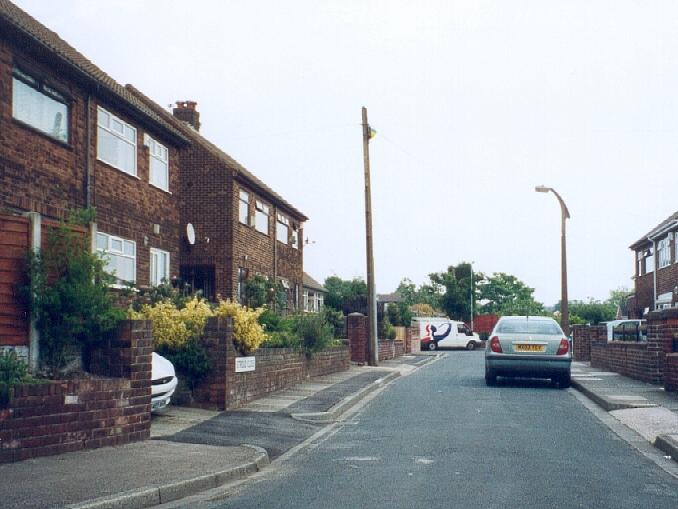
point(656, 269)
point(241, 226)
point(71, 138)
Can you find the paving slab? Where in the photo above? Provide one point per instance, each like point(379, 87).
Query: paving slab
point(647, 409)
point(648, 422)
point(125, 476)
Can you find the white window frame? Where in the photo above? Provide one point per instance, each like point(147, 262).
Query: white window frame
point(306, 292)
point(109, 251)
point(282, 229)
point(244, 206)
point(262, 211)
point(47, 93)
point(663, 253)
point(119, 136)
point(649, 261)
point(295, 237)
point(160, 153)
point(155, 255)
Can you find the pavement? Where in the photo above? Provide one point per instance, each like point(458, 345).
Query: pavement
point(195, 450)
point(647, 409)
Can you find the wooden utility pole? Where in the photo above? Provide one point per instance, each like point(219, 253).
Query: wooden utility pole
point(371, 292)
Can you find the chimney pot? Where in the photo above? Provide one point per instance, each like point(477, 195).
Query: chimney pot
point(186, 111)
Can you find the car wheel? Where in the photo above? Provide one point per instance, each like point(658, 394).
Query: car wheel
point(471, 345)
point(490, 377)
point(564, 381)
point(432, 345)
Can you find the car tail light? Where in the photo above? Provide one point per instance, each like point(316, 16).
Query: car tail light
point(495, 345)
point(564, 347)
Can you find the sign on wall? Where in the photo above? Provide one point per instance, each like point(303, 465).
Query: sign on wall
point(243, 364)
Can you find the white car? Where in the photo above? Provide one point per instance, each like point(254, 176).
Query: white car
point(164, 382)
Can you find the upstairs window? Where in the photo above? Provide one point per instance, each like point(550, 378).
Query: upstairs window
point(295, 237)
point(649, 261)
point(116, 142)
point(36, 104)
point(261, 217)
point(282, 229)
point(158, 163)
point(244, 207)
point(664, 252)
point(120, 256)
point(160, 266)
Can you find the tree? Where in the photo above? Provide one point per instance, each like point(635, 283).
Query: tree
point(504, 294)
point(592, 312)
point(455, 289)
point(618, 296)
point(338, 290)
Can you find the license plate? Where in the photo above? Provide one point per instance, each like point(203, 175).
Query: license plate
point(529, 347)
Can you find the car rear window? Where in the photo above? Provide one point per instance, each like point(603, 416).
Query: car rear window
point(528, 327)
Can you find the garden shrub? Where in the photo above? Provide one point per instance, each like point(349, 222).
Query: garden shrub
point(336, 319)
point(248, 333)
point(313, 331)
point(177, 332)
point(67, 291)
point(12, 371)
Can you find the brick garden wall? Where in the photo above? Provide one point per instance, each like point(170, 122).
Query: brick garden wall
point(276, 369)
point(390, 349)
point(65, 416)
point(582, 336)
point(652, 361)
point(357, 326)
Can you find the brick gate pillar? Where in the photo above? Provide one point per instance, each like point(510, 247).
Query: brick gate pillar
point(357, 329)
point(662, 329)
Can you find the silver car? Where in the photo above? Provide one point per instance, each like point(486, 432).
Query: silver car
point(528, 346)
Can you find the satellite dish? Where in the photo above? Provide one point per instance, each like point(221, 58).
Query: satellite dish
point(190, 233)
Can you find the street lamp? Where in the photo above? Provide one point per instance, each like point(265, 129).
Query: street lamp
point(472, 296)
point(565, 214)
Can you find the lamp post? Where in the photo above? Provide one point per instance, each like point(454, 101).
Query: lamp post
point(472, 295)
point(565, 214)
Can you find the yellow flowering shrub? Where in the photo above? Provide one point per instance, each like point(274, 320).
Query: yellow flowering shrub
point(168, 327)
point(195, 316)
point(247, 331)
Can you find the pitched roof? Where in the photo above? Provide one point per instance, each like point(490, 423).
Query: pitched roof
point(47, 40)
point(665, 223)
point(231, 163)
point(309, 282)
point(389, 297)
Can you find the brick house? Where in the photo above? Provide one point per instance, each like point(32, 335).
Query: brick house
point(73, 138)
point(239, 226)
point(314, 295)
point(656, 269)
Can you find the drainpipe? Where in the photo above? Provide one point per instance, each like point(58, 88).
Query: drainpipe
point(34, 335)
point(88, 151)
point(275, 253)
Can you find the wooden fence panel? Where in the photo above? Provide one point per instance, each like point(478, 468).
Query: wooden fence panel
point(14, 242)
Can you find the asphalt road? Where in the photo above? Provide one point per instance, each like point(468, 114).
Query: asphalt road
point(441, 438)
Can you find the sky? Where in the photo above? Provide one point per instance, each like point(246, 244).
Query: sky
point(474, 103)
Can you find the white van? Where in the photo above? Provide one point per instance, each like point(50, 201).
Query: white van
point(442, 332)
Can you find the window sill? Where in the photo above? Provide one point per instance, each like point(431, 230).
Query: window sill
point(166, 191)
point(109, 165)
point(35, 130)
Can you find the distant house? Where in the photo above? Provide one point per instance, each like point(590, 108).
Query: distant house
point(656, 269)
point(314, 295)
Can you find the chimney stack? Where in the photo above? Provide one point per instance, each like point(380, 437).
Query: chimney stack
point(185, 111)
